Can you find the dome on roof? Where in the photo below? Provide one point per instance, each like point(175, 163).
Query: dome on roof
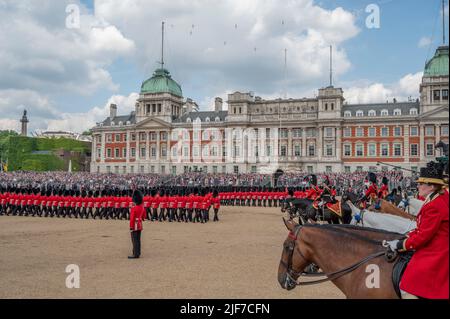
point(438, 65)
point(161, 82)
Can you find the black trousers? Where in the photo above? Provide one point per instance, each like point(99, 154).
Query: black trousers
point(136, 241)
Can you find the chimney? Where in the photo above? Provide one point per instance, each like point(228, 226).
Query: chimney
point(218, 104)
point(112, 111)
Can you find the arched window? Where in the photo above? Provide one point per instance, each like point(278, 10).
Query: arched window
point(113, 124)
point(188, 120)
point(372, 113)
point(359, 113)
point(120, 123)
point(332, 106)
point(217, 119)
point(197, 120)
point(207, 120)
point(413, 111)
point(347, 114)
point(128, 123)
point(326, 106)
point(384, 112)
point(397, 112)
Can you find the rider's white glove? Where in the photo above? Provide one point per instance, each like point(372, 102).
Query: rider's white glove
point(394, 245)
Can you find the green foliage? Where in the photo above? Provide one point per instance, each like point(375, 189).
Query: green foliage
point(19, 152)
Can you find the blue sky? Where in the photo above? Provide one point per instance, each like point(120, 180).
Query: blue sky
point(210, 51)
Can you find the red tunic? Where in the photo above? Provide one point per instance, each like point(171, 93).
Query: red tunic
point(372, 191)
point(136, 215)
point(384, 191)
point(427, 273)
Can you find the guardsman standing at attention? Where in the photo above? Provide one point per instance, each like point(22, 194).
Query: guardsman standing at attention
point(137, 214)
point(384, 190)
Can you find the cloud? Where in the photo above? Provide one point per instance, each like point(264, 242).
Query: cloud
point(79, 122)
point(402, 90)
point(424, 42)
point(40, 53)
point(236, 45)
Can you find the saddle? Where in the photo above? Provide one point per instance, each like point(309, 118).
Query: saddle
point(399, 268)
point(335, 208)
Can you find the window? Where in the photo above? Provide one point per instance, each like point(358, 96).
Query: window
point(326, 106)
point(347, 132)
point(163, 151)
point(397, 112)
point(159, 108)
point(188, 120)
point(237, 151)
point(384, 112)
point(268, 150)
point(384, 149)
point(174, 152)
point(117, 137)
point(372, 150)
point(430, 149)
point(296, 132)
point(329, 131)
point(397, 131)
point(109, 137)
point(236, 169)
point(359, 131)
point(414, 131)
point(124, 152)
point(133, 152)
point(207, 120)
point(359, 168)
point(205, 135)
point(414, 149)
point(413, 111)
point(311, 150)
point(153, 108)
point(397, 149)
point(195, 151)
point(372, 113)
point(124, 169)
point(311, 132)
point(142, 136)
point(445, 95)
point(329, 150)
point(283, 150)
point(332, 106)
point(217, 119)
point(359, 150)
point(385, 131)
point(153, 136)
point(152, 169)
point(174, 170)
point(108, 153)
point(429, 130)
point(359, 113)
point(347, 114)
point(372, 131)
point(347, 169)
point(108, 169)
point(116, 169)
point(310, 169)
point(283, 133)
point(436, 95)
point(163, 169)
point(163, 136)
point(444, 130)
point(297, 150)
point(347, 150)
point(142, 152)
point(133, 137)
point(99, 153)
point(186, 151)
point(253, 170)
point(328, 169)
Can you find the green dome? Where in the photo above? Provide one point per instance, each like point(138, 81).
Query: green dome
point(438, 65)
point(161, 82)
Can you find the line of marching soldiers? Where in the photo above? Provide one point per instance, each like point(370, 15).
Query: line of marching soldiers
point(159, 206)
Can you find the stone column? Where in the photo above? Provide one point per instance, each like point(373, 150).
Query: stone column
point(103, 144)
point(304, 142)
point(289, 146)
point(319, 144)
point(128, 135)
point(158, 146)
point(138, 147)
point(422, 142)
point(147, 146)
point(406, 143)
point(338, 139)
point(437, 132)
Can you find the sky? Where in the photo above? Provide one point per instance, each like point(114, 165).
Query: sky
point(66, 61)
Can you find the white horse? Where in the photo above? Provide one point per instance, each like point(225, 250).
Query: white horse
point(411, 205)
point(383, 221)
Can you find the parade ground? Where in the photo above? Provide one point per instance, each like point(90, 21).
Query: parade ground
point(237, 257)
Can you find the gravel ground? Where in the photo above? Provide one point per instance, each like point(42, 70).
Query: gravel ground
point(237, 257)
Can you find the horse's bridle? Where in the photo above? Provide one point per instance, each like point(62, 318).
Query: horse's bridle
point(291, 274)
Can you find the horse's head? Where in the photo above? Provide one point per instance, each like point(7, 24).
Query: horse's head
point(292, 262)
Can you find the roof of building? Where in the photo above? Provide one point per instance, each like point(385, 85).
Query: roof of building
point(212, 115)
point(161, 82)
point(378, 107)
point(124, 119)
point(438, 64)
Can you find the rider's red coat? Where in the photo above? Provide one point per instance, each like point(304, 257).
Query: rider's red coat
point(427, 273)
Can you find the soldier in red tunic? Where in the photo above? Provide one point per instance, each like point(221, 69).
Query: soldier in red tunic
point(384, 190)
point(216, 205)
point(427, 274)
point(137, 214)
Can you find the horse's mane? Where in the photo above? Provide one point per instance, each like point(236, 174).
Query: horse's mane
point(353, 227)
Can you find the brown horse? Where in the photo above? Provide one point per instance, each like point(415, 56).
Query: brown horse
point(343, 253)
point(388, 208)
